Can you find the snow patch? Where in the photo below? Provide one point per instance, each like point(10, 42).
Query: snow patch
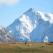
point(51, 18)
point(10, 31)
point(46, 39)
point(27, 26)
point(43, 16)
point(46, 16)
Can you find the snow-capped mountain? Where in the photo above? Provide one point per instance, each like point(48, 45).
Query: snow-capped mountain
point(33, 26)
point(5, 36)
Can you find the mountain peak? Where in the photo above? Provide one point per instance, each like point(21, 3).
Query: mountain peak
point(32, 25)
point(30, 10)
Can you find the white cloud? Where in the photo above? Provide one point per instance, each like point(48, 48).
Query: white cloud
point(8, 2)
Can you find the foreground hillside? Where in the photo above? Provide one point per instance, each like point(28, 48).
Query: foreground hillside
point(26, 48)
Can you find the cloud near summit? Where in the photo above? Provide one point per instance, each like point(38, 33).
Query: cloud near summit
point(9, 2)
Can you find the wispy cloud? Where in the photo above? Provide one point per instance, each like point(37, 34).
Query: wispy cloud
point(9, 2)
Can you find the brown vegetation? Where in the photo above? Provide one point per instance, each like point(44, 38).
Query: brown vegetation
point(28, 48)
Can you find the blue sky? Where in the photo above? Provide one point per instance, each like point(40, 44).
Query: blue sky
point(10, 10)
